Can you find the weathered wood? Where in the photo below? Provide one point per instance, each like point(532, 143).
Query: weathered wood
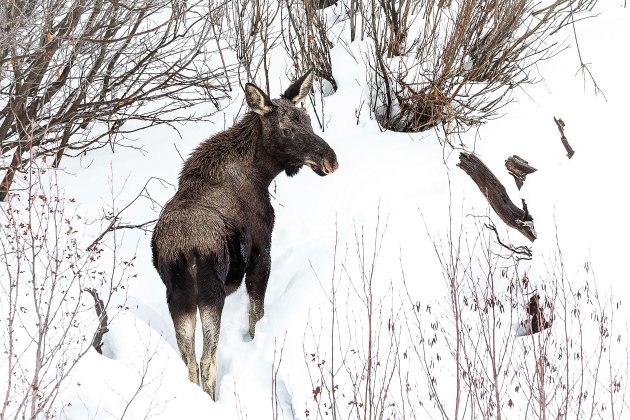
point(519, 168)
point(99, 306)
point(497, 196)
point(563, 138)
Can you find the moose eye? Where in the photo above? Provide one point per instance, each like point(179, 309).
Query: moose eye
point(286, 132)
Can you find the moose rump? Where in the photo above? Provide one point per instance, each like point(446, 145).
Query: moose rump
point(197, 254)
point(216, 230)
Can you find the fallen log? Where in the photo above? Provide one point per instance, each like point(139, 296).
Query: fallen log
point(497, 196)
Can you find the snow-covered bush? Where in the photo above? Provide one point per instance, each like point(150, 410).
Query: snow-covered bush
point(455, 63)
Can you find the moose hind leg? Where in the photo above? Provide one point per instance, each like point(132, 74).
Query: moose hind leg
point(256, 283)
point(185, 333)
point(211, 297)
point(211, 324)
point(183, 309)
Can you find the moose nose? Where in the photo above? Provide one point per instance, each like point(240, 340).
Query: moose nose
point(330, 166)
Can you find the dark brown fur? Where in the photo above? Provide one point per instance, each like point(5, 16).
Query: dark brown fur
point(217, 228)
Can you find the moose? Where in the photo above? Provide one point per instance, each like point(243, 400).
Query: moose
point(217, 227)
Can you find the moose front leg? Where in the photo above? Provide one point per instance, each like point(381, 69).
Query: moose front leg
point(256, 284)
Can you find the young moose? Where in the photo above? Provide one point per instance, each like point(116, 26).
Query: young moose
point(217, 227)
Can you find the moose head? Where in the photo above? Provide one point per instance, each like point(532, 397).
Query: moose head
point(287, 132)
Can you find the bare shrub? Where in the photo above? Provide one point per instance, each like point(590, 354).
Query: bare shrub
point(504, 365)
point(456, 63)
point(306, 40)
point(83, 75)
point(354, 11)
point(581, 368)
point(253, 36)
point(276, 407)
point(48, 316)
point(475, 354)
point(353, 353)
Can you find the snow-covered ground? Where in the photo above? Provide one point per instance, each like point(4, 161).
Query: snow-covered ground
point(404, 187)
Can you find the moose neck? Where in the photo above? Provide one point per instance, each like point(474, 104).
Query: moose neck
point(266, 166)
point(240, 146)
point(247, 137)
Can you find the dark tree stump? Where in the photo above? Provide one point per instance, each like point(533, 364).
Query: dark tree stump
point(497, 196)
point(519, 168)
point(537, 320)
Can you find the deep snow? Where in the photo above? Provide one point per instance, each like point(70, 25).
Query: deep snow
point(408, 181)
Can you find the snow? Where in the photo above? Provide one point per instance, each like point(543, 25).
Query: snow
point(404, 187)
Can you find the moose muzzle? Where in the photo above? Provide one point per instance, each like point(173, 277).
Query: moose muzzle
point(324, 167)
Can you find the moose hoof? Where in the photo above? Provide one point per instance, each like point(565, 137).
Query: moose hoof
point(209, 386)
point(210, 390)
point(253, 319)
point(193, 373)
point(209, 376)
point(252, 327)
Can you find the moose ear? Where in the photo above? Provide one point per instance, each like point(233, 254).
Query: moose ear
point(300, 88)
point(257, 100)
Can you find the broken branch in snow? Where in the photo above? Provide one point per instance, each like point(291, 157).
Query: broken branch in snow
point(99, 306)
point(565, 142)
point(521, 252)
point(519, 168)
point(497, 196)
